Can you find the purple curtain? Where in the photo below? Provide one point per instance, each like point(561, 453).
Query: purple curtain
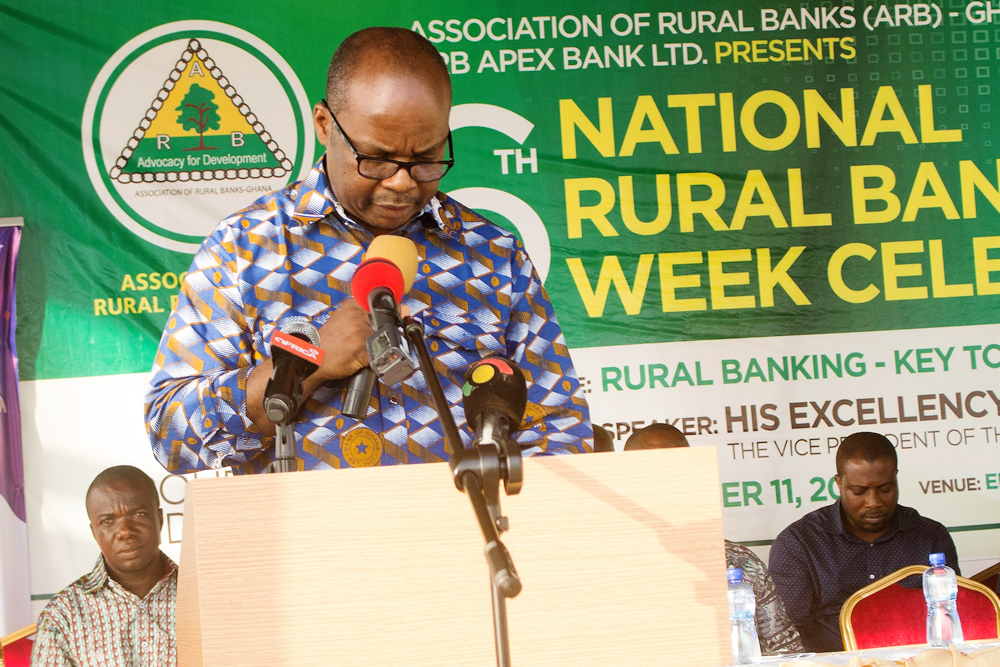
point(11, 465)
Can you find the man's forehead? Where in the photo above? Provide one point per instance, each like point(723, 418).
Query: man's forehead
point(860, 469)
point(108, 495)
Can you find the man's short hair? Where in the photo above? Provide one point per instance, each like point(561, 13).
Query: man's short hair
point(394, 48)
point(603, 442)
point(656, 436)
point(865, 446)
point(124, 475)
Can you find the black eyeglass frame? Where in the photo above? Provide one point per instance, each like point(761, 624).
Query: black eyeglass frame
point(447, 164)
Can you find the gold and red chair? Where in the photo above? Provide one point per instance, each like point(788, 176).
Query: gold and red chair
point(15, 648)
point(988, 577)
point(886, 613)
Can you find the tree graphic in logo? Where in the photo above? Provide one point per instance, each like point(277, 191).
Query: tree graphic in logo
point(199, 101)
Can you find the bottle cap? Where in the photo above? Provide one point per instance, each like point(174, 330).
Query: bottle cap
point(734, 575)
point(937, 559)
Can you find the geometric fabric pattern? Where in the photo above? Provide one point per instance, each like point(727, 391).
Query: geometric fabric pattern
point(291, 255)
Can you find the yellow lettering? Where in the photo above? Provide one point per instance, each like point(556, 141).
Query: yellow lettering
point(770, 278)
point(576, 212)
point(127, 283)
point(129, 306)
point(886, 100)
point(571, 117)
point(670, 283)
point(719, 279)
point(645, 108)
point(892, 271)
point(154, 281)
point(795, 202)
point(594, 300)
point(768, 206)
point(144, 306)
point(835, 273)
point(663, 204)
point(748, 115)
point(928, 134)
point(844, 126)
point(691, 104)
point(927, 175)
point(687, 206)
point(156, 306)
point(140, 282)
point(984, 265)
point(939, 285)
point(972, 179)
point(883, 192)
point(100, 307)
point(727, 122)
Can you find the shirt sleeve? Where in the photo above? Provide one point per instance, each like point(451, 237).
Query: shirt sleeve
point(789, 569)
point(947, 546)
point(195, 410)
point(557, 419)
point(51, 649)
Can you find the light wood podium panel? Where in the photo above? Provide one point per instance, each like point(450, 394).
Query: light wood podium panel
point(620, 555)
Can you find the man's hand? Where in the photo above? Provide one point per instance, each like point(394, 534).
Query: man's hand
point(343, 341)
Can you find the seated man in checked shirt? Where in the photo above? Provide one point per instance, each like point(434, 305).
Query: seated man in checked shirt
point(122, 613)
point(776, 632)
point(824, 557)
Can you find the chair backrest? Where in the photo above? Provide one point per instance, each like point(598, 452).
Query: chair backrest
point(886, 613)
point(15, 648)
point(988, 577)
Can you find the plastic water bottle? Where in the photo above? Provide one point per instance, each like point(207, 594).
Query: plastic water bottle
point(940, 591)
point(743, 628)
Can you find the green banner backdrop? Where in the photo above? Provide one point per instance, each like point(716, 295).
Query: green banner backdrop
point(737, 170)
point(769, 224)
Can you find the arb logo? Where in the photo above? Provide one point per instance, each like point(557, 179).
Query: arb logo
point(188, 122)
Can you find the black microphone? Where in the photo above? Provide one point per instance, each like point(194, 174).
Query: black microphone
point(296, 356)
point(496, 395)
point(378, 285)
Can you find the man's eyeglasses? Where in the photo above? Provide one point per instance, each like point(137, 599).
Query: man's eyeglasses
point(379, 168)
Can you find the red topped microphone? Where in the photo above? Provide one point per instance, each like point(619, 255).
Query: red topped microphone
point(378, 285)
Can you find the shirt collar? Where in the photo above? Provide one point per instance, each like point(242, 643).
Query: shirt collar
point(315, 202)
point(98, 578)
point(832, 522)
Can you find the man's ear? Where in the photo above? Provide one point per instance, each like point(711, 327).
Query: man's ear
point(840, 488)
point(322, 124)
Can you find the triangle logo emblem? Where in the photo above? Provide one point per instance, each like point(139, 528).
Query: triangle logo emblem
point(197, 128)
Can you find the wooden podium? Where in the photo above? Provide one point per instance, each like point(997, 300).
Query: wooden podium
point(621, 557)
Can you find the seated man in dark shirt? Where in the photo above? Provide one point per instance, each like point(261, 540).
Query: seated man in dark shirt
point(824, 557)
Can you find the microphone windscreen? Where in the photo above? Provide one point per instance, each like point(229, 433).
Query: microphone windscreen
point(400, 251)
point(496, 385)
point(374, 273)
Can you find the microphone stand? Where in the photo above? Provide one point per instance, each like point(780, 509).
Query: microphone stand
point(284, 447)
point(478, 472)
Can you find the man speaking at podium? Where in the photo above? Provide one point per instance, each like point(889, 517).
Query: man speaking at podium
point(291, 255)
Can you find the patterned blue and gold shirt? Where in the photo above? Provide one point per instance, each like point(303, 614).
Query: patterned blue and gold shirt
point(292, 254)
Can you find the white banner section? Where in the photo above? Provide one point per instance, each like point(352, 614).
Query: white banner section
point(777, 408)
point(774, 408)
